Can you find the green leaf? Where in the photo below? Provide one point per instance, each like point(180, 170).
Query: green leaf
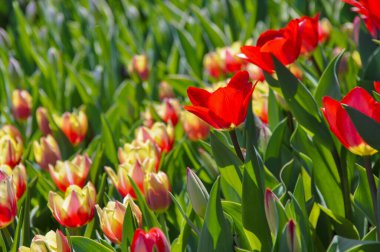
point(109, 142)
point(17, 234)
point(181, 83)
point(349, 245)
point(26, 227)
point(83, 244)
point(129, 227)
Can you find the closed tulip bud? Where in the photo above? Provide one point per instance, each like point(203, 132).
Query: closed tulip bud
point(271, 212)
point(139, 66)
point(208, 162)
point(19, 178)
point(165, 90)
point(10, 150)
point(213, 64)
point(74, 125)
point(197, 193)
point(324, 30)
point(51, 242)
point(157, 188)
point(121, 180)
point(291, 237)
point(169, 111)
point(76, 209)
point(142, 152)
point(161, 134)
point(112, 217)
point(264, 136)
point(15, 71)
point(12, 131)
point(43, 121)
point(195, 128)
point(21, 104)
point(67, 173)
point(8, 200)
point(46, 152)
point(153, 240)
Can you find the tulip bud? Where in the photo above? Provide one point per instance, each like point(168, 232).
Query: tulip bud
point(195, 128)
point(15, 71)
point(291, 237)
point(51, 242)
point(169, 110)
point(21, 104)
point(72, 172)
point(19, 178)
point(197, 193)
point(264, 136)
point(161, 134)
point(10, 150)
point(142, 152)
point(157, 188)
point(256, 73)
point(121, 180)
point(324, 30)
point(43, 121)
point(139, 66)
point(147, 117)
point(153, 240)
point(8, 201)
point(12, 131)
point(213, 65)
point(165, 90)
point(260, 101)
point(271, 212)
point(74, 125)
point(208, 162)
point(231, 63)
point(46, 152)
point(4, 39)
point(112, 217)
point(76, 208)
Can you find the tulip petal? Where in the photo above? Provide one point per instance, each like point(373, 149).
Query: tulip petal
point(198, 96)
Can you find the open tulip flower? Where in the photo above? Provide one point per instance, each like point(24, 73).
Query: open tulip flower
point(74, 125)
point(341, 124)
point(51, 242)
point(157, 188)
point(11, 150)
point(46, 152)
point(19, 178)
point(72, 172)
point(77, 208)
point(225, 108)
point(153, 240)
point(8, 200)
point(284, 44)
point(21, 104)
point(112, 217)
point(309, 33)
point(161, 134)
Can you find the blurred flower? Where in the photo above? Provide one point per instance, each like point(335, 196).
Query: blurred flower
point(369, 11)
point(72, 172)
point(296, 71)
point(4, 39)
point(21, 104)
point(169, 110)
point(76, 208)
point(195, 128)
point(376, 85)
point(309, 33)
point(162, 135)
point(255, 72)
point(12, 131)
point(43, 121)
point(153, 240)
point(340, 122)
point(112, 217)
point(139, 66)
point(157, 188)
point(212, 64)
point(284, 44)
point(8, 201)
point(10, 150)
point(15, 71)
point(197, 193)
point(51, 242)
point(19, 178)
point(165, 90)
point(147, 117)
point(46, 152)
point(142, 152)
point(226, 107)
point(260, 101)
point(74, 125)
point(271, 213)
point(324, 30)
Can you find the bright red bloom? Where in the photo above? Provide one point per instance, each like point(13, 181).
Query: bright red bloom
point(309, 33)
point(341, 124)
point(376, 84)
point(153, 240)
point(369, 11)
point(284, 44)
point(227, 106)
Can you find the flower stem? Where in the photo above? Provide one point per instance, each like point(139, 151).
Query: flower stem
point(372, 187)
point(315, 63)
point(236, 144)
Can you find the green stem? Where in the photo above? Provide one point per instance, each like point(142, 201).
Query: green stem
point(315, 63)
point(236, 144)
point(372, 187)
point(75, 231)
point(290, 120)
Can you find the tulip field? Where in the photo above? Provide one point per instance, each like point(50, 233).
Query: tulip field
point(221, 125)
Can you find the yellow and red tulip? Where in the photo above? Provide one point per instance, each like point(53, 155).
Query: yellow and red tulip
point(12, 131)
point(73, 172)
point(43, 121)
point(8, 200)
point(46, 152)
point(160, 134)
point(260, 101)
point(51, 242)
point(165, 90)
point(11, 150)
point(19, 177)
point(340, 123)
point(74, 125)
point(153, 240)
point(157, 188)
point(21, 104)
point(112, 217)
point(194, 127)
point(139, 66)
point(77, 207)
point(169, 110)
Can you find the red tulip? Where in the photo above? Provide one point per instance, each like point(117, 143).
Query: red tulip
point(376, 84)
point(21, 104)
point(341, 124)
point(226, 107)
point(8, 203)
point(19, 177)
point(284, 44)
point(369, 10)
point(153, 240)
point(74, 125)
point(309, 33)
point(169, 110)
